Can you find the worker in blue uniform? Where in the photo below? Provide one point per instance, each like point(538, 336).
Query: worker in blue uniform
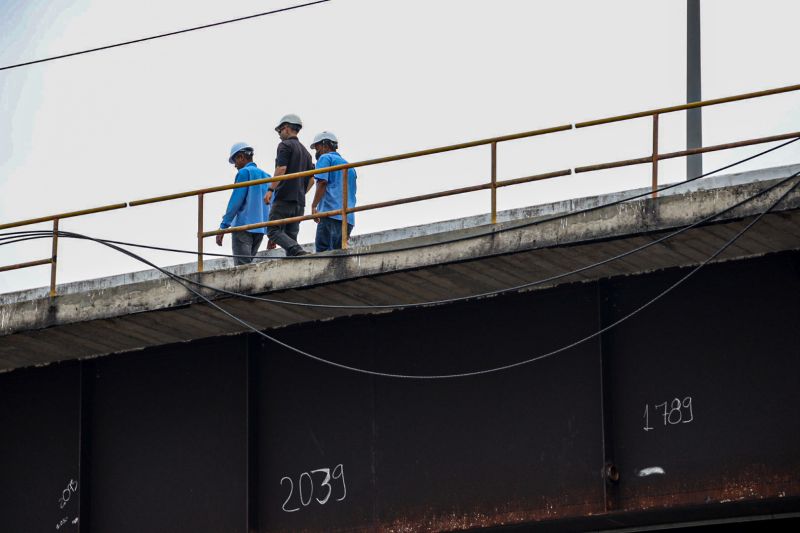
point(246, 205)
point(328, 194)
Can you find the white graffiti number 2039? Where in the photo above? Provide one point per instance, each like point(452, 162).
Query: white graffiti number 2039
point(67, 493)
point(305, 487)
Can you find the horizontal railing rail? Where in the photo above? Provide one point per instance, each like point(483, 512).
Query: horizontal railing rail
point(365, 163)
point(61, 216)
point(692, 105)
point(391, 203)
point(26, 264)
point(492, 185)
point(682, 153)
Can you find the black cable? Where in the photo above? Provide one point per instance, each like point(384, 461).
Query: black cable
point(462, 374)
point(492, 231)
point(496, 292)
point(48, 234)
point(159, 36)
point(520, 363)
point(13, 238)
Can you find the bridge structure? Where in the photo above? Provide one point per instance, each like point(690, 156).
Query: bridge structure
point(625, 361)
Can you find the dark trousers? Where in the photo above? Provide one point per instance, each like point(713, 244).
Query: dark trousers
point(285, 236)
point(329, 234)
point(245, 244)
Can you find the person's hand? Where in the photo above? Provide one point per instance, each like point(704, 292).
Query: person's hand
point(271, 245)
point(268, 197)
point(314, 211)
point(219, 239)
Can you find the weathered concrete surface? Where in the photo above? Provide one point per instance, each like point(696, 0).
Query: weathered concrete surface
point(413, 232)
point(144, 309)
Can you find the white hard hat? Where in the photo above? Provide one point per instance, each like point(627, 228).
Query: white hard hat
point(324, 136)
point(289, 119)
point(238, 147)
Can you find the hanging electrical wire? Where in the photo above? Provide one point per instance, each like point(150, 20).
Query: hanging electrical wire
point(410, 305)
point(162, 35)
point(23, 236)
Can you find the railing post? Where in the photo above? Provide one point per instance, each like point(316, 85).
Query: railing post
point(54, 260)
point(344, 209)
point(494, 183)
point(200, 232)
point(655, 154)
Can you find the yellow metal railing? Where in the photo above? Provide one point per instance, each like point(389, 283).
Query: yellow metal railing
point(492, 185)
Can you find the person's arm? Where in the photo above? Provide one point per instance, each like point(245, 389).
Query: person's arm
point(322, 185)
point(321, 180)
point(234, 204)
point(279, 171)
point(281, 163)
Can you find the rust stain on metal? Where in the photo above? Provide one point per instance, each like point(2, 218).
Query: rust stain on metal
point(461, 520)
point(753, 483)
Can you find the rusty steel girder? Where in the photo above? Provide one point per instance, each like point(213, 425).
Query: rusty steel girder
point(686, 413)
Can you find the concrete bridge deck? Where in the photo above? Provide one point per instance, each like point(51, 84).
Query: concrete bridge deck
point(139, 310)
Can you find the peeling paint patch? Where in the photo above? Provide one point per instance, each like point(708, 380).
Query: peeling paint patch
point(650, 471)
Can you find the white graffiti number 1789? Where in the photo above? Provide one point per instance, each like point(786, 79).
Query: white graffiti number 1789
point(306, 483)
point(674, 412)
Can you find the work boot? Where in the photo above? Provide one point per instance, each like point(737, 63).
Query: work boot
point(296, 251)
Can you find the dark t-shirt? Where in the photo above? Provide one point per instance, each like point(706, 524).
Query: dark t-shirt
point(294, 156)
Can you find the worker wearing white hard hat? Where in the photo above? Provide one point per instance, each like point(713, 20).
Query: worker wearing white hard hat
point(325, 136)
point(287, 198)
point(239, 147)
point(245, 205)
point(290, 119)
point(328, 193)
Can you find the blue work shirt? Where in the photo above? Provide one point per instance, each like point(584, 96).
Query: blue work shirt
point(332, 200)
point(246, 205)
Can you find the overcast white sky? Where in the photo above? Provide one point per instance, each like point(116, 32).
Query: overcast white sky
point(386, 76)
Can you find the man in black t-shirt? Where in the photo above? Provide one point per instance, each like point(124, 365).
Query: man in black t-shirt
point(288, 198)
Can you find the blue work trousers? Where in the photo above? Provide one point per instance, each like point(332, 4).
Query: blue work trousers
point(329, 234)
